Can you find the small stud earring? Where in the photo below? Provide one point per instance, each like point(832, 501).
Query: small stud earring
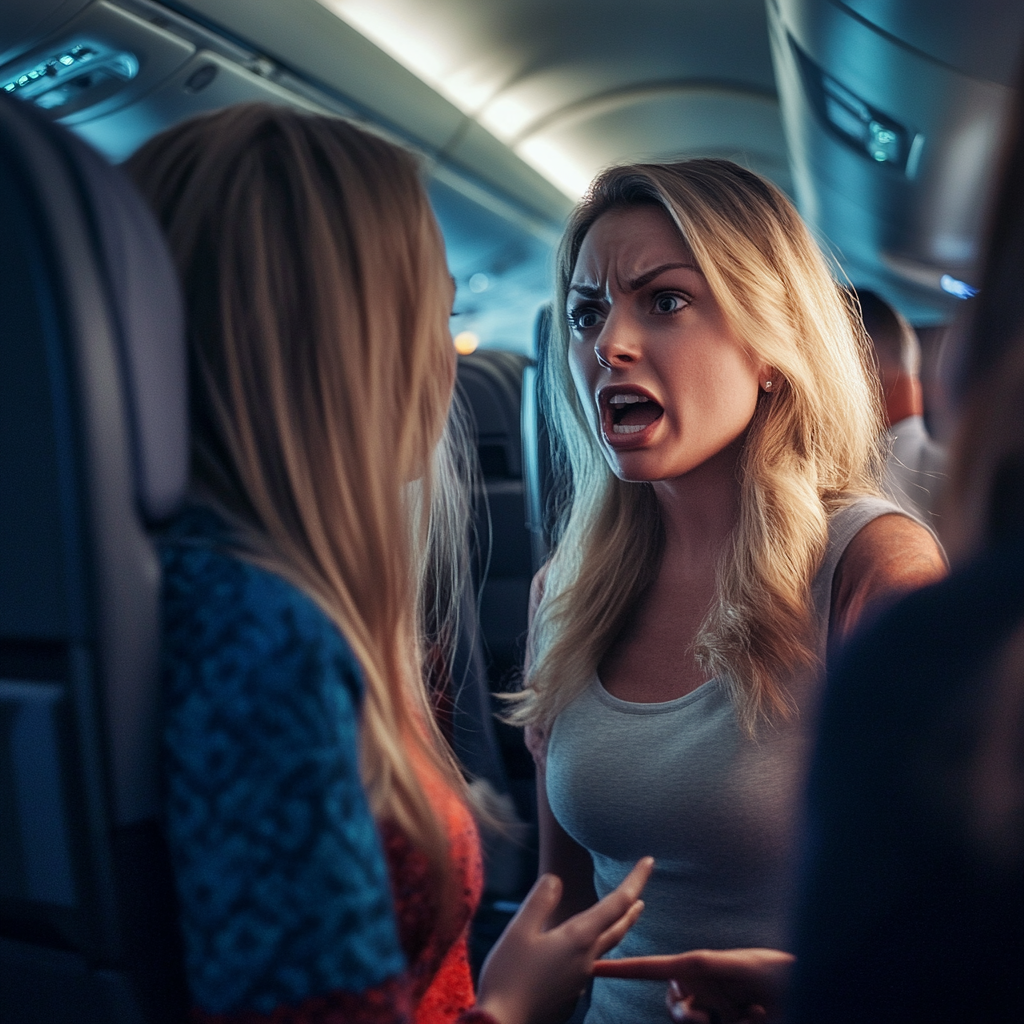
point(767, 385)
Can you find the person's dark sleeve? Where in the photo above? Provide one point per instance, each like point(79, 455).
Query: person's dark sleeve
point(899, 916)
point(282, 883)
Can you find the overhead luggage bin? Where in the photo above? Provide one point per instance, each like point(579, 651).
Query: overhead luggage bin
point(24, 24)
point(894, 127)
point(307, 38)
point(119, 71)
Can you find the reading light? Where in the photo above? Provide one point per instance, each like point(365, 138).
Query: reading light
point(67, 76)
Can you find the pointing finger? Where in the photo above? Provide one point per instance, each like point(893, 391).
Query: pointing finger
point(643, 968)
point(633, 884)
point(606, 912)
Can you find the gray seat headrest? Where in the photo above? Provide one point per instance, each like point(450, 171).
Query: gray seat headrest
point(142, 292)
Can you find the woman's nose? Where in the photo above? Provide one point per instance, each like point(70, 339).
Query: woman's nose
point(616, 346)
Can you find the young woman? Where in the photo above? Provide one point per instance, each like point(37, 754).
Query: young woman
point(326, 860)
point(711, 393)
point(911, 904)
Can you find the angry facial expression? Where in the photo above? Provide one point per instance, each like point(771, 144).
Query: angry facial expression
point(665, 382)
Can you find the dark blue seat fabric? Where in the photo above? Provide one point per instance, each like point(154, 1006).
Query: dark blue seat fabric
point(546, 486)
point(491, 383)
point(93, 451)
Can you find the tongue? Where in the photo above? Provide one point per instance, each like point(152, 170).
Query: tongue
point(643, 414)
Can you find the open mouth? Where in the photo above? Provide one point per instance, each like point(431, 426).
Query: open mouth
point(628, 413)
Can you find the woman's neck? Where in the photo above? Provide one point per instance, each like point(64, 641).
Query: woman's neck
point(699, 510)
point(652, 659)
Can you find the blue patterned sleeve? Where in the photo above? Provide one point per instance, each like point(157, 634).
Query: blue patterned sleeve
point(282, 882)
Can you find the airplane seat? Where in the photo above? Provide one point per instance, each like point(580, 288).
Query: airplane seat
point(545, 486)
point(491, 384)
point(491, 381)
point(93, 455)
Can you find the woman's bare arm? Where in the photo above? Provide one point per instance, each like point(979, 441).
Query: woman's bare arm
point(560, 854)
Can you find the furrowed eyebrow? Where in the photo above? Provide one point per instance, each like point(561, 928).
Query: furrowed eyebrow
point(637, 283)
point(588, 291)
point(593, 292)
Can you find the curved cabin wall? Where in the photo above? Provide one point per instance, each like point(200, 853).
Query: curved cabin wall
point(893, 114)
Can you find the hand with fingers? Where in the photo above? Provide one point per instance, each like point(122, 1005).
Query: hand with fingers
point(714, 986)
point(535, 974)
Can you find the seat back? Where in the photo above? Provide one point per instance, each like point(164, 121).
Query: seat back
point(491, 382)
point(547, 478)
point(93, 451)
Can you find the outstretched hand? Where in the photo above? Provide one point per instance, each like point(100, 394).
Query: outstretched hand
point(535, 974)
point(714, 986)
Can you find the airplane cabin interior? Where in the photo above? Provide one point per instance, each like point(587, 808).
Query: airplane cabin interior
point(881, 119)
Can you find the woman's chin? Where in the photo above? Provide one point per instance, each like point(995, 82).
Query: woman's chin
point(636, 466)
point(649, 466)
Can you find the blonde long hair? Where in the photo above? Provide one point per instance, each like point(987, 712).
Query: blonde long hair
point(813, 443)
point(321, 371)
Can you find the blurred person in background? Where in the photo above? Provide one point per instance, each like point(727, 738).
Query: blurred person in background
point(915, 466)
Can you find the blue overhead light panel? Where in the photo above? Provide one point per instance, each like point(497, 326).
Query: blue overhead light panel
point(869, 131)
point(79, 75)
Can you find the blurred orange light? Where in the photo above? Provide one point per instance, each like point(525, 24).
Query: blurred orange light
point(466, 342)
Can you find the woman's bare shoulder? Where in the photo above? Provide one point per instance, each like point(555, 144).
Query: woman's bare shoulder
point(889, 557)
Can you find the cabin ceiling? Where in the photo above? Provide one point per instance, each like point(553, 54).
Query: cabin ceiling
point(576, 86)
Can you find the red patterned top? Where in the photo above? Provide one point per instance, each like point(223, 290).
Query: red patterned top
point(436, 987)
point(439, 976)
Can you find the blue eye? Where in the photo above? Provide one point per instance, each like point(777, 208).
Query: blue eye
point(667, 302)
point(583, 319)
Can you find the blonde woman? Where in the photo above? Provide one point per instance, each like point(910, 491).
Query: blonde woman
point(326, 860)
point(713, 397)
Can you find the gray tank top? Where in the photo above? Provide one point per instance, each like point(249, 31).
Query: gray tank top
point(716, 809)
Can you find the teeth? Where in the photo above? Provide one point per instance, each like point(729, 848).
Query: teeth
point(618, 428)
point(627, 399)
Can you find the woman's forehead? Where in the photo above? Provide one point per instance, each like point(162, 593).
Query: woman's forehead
point(627, 243)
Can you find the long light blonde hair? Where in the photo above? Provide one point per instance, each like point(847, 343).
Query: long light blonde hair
point(321, 371)
point(813, 443)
